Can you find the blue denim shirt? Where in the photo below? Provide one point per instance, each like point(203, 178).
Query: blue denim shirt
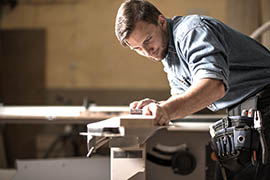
point(203, 47)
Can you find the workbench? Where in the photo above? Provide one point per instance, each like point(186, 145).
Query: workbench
point(46, 115)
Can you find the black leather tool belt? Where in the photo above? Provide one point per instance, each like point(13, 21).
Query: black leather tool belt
point(235, 142)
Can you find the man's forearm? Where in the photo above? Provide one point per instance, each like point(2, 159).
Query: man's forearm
point(199, 95)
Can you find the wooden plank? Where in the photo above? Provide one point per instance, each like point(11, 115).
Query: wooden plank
point(134, 121)
point(58, 114)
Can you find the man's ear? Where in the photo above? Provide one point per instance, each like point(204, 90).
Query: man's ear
point(162, 20)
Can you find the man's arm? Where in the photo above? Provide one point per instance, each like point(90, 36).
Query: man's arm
point(201, 94)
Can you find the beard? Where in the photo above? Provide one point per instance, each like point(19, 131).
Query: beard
point(163, 49)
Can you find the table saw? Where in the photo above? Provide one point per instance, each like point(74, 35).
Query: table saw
point(140, 150)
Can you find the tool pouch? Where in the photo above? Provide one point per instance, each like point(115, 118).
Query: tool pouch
point(234, 140)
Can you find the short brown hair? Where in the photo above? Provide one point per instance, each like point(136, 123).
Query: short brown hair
point(129, 13)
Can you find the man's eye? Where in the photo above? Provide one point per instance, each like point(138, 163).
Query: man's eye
point(136, 49)
point(149, 38)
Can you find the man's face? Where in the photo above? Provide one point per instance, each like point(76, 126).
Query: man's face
point(150, 40)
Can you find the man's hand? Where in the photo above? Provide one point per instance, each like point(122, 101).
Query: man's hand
point(152, 107)
point(202, 93)
point(159, 112)
point(140, 104)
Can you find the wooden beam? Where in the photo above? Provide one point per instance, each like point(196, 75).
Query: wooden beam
point(266, 17)
point(244, 15)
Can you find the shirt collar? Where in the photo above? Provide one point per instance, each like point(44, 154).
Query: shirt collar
point(171, 47)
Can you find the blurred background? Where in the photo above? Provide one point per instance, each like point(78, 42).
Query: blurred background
point(60, 52)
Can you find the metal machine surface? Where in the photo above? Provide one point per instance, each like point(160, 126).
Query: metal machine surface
point(140, 150)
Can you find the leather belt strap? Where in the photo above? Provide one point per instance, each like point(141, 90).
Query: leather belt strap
point(250, 103)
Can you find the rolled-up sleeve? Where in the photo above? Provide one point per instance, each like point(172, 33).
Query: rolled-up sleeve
point(205, 54)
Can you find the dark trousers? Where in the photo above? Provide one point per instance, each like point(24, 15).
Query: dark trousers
point(259, 171)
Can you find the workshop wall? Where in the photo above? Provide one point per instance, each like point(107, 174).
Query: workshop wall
point(265, 18)
point(82, 52)
point(247, 15)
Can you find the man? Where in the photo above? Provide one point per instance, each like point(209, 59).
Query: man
point(208, 64)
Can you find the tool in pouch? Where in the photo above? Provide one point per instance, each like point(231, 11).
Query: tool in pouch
point(259, 127)
point(236, 141)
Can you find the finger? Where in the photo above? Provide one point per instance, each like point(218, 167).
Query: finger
point(133, 105)
point(167, 122)
point(146, 111)
point(152, 110)
point(163, 121)
point(159, 118)
point(143, 103)
point(155, 111)
point(162, 117)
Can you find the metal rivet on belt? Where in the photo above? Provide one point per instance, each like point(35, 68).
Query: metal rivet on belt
point(241, 139)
